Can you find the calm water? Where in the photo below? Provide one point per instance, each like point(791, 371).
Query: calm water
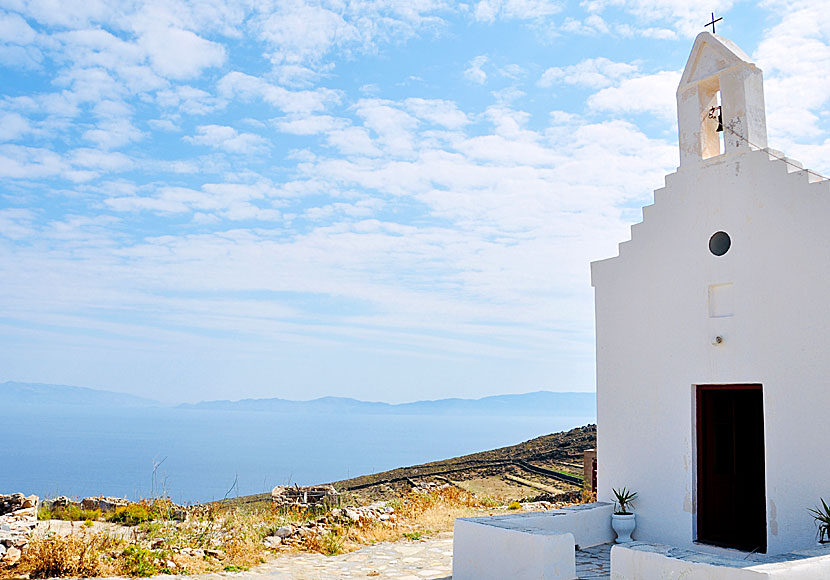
point(81, 451)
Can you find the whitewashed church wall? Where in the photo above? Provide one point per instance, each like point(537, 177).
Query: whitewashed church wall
point(656, 328)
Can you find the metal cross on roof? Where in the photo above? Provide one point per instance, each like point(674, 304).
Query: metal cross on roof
point(712, 24)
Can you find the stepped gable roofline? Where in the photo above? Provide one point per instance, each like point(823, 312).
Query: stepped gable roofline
point(712, 54)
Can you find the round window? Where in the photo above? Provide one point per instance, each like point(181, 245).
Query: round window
point(719, 243)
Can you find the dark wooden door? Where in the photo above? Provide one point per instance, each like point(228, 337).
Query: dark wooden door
point(731, 492)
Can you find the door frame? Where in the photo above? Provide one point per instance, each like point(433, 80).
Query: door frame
point(697, 412)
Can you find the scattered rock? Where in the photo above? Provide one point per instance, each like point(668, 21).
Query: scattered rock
point(284, 531)
point(272, 541)
point(11, 557)
point(218, 554)
point(59, 502)
point(18, 518)
point(12, 502)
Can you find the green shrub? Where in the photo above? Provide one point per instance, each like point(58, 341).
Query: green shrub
point(132, 515)
point(139, 563)
point(333, 543)
point(514, 505)
point(69, 513)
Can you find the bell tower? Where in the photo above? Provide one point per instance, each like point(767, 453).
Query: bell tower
point(720, 89)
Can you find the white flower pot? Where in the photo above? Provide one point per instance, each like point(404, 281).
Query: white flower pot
point(623, 525)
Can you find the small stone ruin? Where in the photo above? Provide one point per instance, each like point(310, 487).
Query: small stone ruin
point(305, 497)
point(105, 504)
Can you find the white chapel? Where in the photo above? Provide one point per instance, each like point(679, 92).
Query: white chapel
point(713, 367)
point(713, 331)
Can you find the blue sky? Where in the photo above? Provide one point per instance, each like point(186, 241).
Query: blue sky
point(386, 200)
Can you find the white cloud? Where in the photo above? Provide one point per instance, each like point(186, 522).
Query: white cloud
point(247, 88)
point(18, 162)
point(228, 139)
point(653, 93)
point(394, 128)
point(113, 133)
point(95, 159)
point(180, 54)
point(214, 201)
point(353, 141)
point(22, 57)
point(300, 32)
point(17, 223)
point(189, 100)
point(595, 73)
point(684, 17)
point(15, 30)
point(438, 111)
point(70, 14)
point(13, 126)
point(164, 125)
point(790, 55)
point(492, 10)
point(475, 73)
point(304, 34)
point(309, 125)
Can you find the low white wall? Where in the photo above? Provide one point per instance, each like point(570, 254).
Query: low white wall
point(590, 524)
point(807, 569)
point(636, 564)
point(533, 546)
point(628, 564)
point(482, 552)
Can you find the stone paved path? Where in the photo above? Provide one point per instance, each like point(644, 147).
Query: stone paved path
point(594, 563)
point(423, 560)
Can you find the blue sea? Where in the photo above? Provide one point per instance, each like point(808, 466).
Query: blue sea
point(203, 455)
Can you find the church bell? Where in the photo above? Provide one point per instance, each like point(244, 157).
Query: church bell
point(717, 113)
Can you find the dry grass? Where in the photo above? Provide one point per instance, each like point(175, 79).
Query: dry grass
point(216, 538)
point(417, 515)
point(69, 556)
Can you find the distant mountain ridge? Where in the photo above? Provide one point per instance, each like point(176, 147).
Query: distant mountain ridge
point(540, 403)
point(44, 394)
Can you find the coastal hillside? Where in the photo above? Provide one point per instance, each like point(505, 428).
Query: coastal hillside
point(544, 466)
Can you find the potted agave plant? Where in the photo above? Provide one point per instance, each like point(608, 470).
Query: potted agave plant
point(822, 517)
point(623, 520)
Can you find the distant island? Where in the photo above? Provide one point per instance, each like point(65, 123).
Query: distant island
point(528, 404)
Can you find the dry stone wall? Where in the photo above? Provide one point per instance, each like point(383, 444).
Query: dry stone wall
point(18, 518)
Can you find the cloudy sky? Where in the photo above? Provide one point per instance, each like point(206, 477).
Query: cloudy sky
point(392, 200)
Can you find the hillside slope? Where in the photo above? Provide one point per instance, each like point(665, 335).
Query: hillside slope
point(545, 465)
